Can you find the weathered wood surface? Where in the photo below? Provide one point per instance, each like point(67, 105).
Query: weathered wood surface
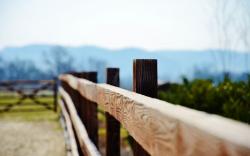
point(145, 83)
point(69, 129)
point(87, 146)
point(112, 125)
point(164, 128)
point(71, 93)
point(86, 88)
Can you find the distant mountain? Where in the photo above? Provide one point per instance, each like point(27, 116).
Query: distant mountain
point(172, 64)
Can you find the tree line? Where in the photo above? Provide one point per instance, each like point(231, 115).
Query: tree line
point(56, 61)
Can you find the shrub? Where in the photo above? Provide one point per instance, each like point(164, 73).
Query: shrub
point(228, 98)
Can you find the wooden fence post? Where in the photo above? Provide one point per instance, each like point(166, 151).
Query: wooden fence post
point(112, 125)
point(55, 90)
point(144, 82)
point(71, 93)
point(83, 111)
point(89, 111)
point(75, 94)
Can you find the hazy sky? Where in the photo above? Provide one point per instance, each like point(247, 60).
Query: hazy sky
point(149, 24)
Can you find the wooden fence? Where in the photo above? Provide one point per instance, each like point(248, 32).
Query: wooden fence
point(27, 89)
point(158, 128)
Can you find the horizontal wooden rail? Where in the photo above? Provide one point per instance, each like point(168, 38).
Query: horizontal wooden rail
point(87, 146)
point(72, 140)
point(164, 128)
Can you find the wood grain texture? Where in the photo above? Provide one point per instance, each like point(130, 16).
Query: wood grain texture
point(161, 127)
point(164, 128)
point(112, 125)
point(87, 145)
point(145, 83)
point(72, 140)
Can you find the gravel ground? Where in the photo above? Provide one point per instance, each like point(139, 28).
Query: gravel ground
point(25, 138)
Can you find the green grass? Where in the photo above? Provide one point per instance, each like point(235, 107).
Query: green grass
point(28, 110)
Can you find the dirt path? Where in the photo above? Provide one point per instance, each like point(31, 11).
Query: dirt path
point(27, 138)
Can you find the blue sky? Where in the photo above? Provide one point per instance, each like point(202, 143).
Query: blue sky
point(148, 24)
